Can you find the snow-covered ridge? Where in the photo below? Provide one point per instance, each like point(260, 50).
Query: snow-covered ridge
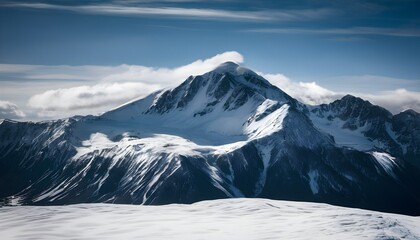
point(218, 219)
point(358, 124)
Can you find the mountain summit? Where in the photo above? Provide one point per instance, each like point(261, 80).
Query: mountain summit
point(226, 133)
point(216, 106)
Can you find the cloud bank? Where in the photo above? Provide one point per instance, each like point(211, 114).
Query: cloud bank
point(119, 85)
point(306, 92)
point(396, 101)
point(313, 94)
point(82, 90)
point(10, 110)
point(90, 97)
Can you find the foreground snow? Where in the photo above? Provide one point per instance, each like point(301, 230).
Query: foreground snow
point(217, 219)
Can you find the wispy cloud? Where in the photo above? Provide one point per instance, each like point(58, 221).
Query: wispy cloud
point(178, 12)
point(397, 32)
point(10, 110)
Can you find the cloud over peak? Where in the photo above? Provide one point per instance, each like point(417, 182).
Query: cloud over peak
point(121, 84)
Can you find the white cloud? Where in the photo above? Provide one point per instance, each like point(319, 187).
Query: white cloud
point(119, 85)
point(83, 97)
point(10, 110)
point(177, 12)
point(313, 94)
point(395, 101)
point(306, 92)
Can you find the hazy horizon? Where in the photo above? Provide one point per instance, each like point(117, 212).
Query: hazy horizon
point(65, 58)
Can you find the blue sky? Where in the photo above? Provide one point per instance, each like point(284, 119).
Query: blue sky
point(368, 48)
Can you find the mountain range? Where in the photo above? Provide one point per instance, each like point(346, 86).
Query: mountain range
point(228, 133)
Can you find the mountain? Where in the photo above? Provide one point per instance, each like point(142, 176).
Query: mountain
point(358, 124)
point(227, 133)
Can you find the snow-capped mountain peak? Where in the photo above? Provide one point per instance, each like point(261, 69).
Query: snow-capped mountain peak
point(223, 103)
point(228, 84)
point(230, 67)
point(225, 133)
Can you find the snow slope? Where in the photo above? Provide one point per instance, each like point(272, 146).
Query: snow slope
point(217, 219)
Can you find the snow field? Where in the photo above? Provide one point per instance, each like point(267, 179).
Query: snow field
point(217, 219)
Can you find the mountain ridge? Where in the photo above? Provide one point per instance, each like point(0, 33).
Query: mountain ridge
point(226, 133)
